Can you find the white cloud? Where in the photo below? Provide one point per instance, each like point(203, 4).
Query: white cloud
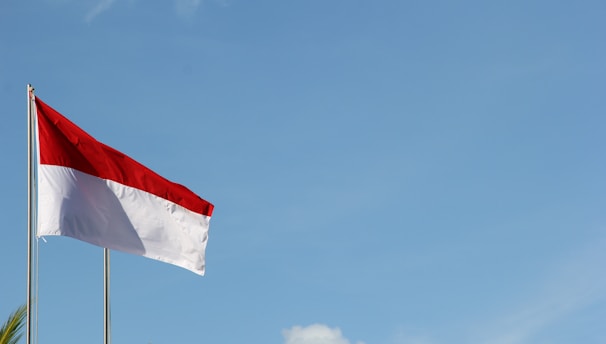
point(314, 334)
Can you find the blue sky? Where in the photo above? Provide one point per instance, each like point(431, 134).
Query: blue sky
point(384, 172)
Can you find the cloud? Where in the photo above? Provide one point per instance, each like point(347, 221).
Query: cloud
point(576, 284)
point(314, 334)
point(101, 7)
point(183, 8)
point(401, 339)
point(187, 8)
point(410, 336)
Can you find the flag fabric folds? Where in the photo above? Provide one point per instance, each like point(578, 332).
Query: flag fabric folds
point(94, 193)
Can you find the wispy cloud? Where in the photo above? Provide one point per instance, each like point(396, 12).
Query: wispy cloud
point(314, 334)
point(101, 7)
point(576, 284)
point(187, 8)
point(404, 337)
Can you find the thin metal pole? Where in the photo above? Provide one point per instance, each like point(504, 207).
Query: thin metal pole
point(106, 309)
point(30, 210)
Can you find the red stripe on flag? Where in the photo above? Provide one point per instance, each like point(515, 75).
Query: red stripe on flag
point(63, 143)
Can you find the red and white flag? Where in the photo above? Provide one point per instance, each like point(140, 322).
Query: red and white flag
point(94, 193)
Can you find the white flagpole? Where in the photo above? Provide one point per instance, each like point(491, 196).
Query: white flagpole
point(106, 309)
point(31, 206)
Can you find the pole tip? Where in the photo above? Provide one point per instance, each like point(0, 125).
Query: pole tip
point(30, 90)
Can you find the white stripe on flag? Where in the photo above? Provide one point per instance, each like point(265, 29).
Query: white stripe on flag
point(109, 214)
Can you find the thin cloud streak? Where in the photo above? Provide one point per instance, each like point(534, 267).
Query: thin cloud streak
point(101, 7)
point(183, 8)
point(187, 8)
point(577, 284)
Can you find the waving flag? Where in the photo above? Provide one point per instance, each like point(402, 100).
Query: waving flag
point(94, 193)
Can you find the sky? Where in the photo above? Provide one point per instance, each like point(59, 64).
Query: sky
point(383, 172)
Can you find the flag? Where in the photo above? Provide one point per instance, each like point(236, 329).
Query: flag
point(94, 193)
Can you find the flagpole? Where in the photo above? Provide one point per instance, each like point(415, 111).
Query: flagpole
point(30, 214)
point(106, 309)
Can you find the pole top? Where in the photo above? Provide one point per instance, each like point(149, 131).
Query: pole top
point(30, 91)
